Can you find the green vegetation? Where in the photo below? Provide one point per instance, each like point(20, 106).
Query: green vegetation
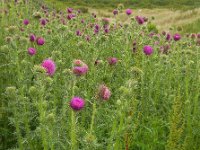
point(140, 92)
point(193, 27)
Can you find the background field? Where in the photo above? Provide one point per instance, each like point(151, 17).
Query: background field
point(168, 14)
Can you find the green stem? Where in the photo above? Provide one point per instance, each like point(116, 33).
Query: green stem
point(93, 116)
point(73, 130)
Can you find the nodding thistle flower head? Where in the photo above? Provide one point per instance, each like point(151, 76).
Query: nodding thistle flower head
point(177, 37)
point(139, 19)
point(78, 33)
point(115, 12)
point(40, 41)
point(168, 37)
point(32, 37)
point(112, 60)
point(31, 51)
point(26, 21)
point(43, 22)
point(80, 68)
point(49, 66)
point(148, 50)
point(129, 12)
point(104, 93)
point(77, 103)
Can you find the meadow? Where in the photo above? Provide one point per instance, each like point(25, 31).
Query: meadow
point(91, 81)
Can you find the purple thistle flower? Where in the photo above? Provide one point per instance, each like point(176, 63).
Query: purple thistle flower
point(26, 21)
point(43, 22)
point(69, 16)
point(193, 36)
point(139, 19)
point(97, 27)
point(78, 33)
point(31, 51)
point(49, 66)
point(168, 37)
point(148, 50)
point(69, 10)
point(198, 35)
point(177, 37)
point(96, 31)
point(40, 41)
point(115, 12)
point(32, 37)
point(77, 103)
point(128, 12)
point(112, 60)
point(106, 30)
point(82, 21)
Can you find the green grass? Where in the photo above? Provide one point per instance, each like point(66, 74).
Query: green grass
point(193, 27)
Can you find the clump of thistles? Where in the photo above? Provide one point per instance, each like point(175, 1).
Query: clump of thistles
point(77, 103)
point(49, 66)
point(104, 93)
point(80, 68)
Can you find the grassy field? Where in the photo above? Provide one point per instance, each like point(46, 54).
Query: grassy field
point(180, 4)
point(171, 14)
point(73, 81)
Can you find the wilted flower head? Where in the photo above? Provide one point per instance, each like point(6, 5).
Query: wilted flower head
point(128, 12)
point(112, 60)
point(165, 49)
point(104, 93)
point(77, 103)
point(148, 50)
point(80, 68)
point(32, 37)
point(177, 37)
point(106, 20)
point(49, 66)
point(31, 51)
point(163, 33)
point(82, 21)
point(26, 21)
point(87, 37)
point(40, 41)
point(193, 35)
